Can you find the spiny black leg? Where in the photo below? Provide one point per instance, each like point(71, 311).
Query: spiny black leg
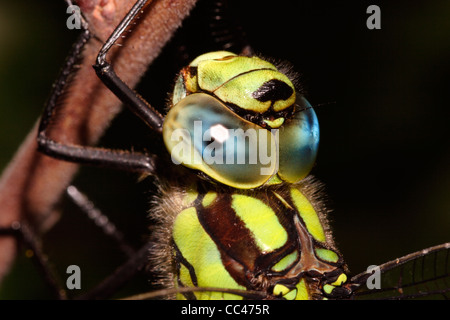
point(61, 81)
point(86, 155)
point(107, 74)
point(121, 275)
point(138, 259)
point(116, 159)
point(99, 219)
point(23, 233)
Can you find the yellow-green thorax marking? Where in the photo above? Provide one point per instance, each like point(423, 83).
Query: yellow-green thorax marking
point(273, 240)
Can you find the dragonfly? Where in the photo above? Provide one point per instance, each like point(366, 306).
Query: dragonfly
point(417, 258)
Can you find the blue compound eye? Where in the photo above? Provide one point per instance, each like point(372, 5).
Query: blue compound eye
point(202, 133)
point(299, 142)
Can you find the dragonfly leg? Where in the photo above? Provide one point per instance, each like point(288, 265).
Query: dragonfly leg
point(24, 234)
point(118, 159)
point(106, 73)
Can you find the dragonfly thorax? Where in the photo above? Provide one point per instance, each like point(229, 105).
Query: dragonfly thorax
point(273, 240)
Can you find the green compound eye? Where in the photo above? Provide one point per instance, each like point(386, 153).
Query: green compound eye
point(299, 142)
point(202, 133)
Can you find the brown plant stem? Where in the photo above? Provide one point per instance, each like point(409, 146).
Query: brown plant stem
point(33, 183)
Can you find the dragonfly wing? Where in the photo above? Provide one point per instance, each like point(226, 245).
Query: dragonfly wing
point(423, 274)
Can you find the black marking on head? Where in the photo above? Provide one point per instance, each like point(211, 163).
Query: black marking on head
point(273, 90)
point(257, 117)
point(192, 71)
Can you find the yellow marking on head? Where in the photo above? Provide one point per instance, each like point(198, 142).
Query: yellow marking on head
point(215, 55)
point(191, 84)
point(274, 123)
point(239, 91)
point(275, 179)
point(214, 73)
point(179, 90)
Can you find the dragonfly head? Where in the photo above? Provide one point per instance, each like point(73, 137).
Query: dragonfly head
point(240, 121)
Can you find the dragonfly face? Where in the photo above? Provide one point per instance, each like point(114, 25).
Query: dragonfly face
point(237, 101)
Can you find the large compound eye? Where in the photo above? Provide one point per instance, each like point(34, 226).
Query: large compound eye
point(202, 133)
point(299, 142)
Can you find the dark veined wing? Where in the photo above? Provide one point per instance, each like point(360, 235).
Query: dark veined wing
point(423, 274)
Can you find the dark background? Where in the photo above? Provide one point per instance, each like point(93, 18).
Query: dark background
point(383, 94)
